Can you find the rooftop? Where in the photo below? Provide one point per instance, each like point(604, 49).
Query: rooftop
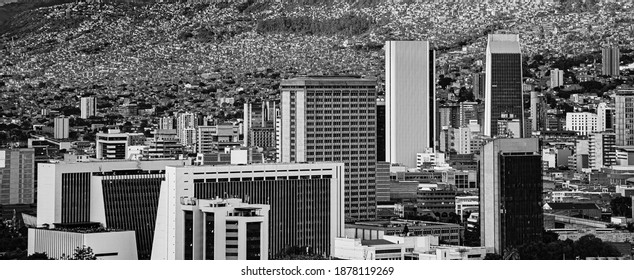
point(504, 43)
point(572, 206)
point(376, 242)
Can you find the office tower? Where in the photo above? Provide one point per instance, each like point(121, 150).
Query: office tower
point(556, 78)
point(217, 138)
point(186, 124)
point(17, 181)
point(334, 119)
point(166, 122)
point(538, 111)
point(479, 83)
point(61, 128)
point(510, 193)
point(624, 116)
point(602, 151)
point(253, 117)
point(121, 195)
point(306, 204)
point(382, 181)
point(409, 99)
point(380, 129)
point(611, 61)
point(88, 107)
point(583, 123)
point(503, 82)
point(605, 117)
point(115, 145)
point(228, 228)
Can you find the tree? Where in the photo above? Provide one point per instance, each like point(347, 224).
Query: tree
point(39, 256)
point(591, 246)
point(81, 253)
point(492, 256)
point(621, 206)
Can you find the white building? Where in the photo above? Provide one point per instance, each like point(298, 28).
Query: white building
point(105, 245)
point(62, 128)
point(605, 117)
point(409, 98)
point(88, 107)
point(583, 123)
point(116, 194)
point(556, 78)
point(224, 229)
point(431, 157)
point(306, 204)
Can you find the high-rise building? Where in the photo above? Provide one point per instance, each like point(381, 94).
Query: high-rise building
point(122, 195)
point(305, 200)
point(186, 124)
point(17, 180)
point(479, 83)
point(538, 111)
point(88, 107)
point(503, 82)
point(605, 117)
point(556, 78)
point(380, 129)
point(602, 150)
point(583, 123)
point(510, 193)
point(611, 61)
point(334, 119)
point(409, 98)
point(62, 128)
point(624, 116)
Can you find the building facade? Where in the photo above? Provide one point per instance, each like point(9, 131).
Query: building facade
point(510, 193)
point(334, 119)
point(88, 107)
point(624, 117)
point(62, 128)
point(409, 98)
point(611, 61)
point(17, 176)
point(583, 123)
point(503, 82)
point(306, 204)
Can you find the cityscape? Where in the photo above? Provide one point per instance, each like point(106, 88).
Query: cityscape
point(316, 130)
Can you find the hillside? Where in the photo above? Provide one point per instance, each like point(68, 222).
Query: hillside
point(114, 43)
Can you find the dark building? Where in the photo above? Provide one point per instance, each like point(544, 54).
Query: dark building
point(380, 128)
point(510, 193)
point(503, 82)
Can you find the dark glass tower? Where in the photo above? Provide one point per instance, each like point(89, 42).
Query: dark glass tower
point(503, 83)
point(510, 194)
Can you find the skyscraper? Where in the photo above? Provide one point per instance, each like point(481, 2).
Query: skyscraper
point(410, 104)
point(88, 107)
point(503, 82)
point(61, 128)
point(479, 82)
point(510, 193)
point(334, 119)
point(611, 60)
point(624, 116)
point(380, 129)
point(17, 181)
